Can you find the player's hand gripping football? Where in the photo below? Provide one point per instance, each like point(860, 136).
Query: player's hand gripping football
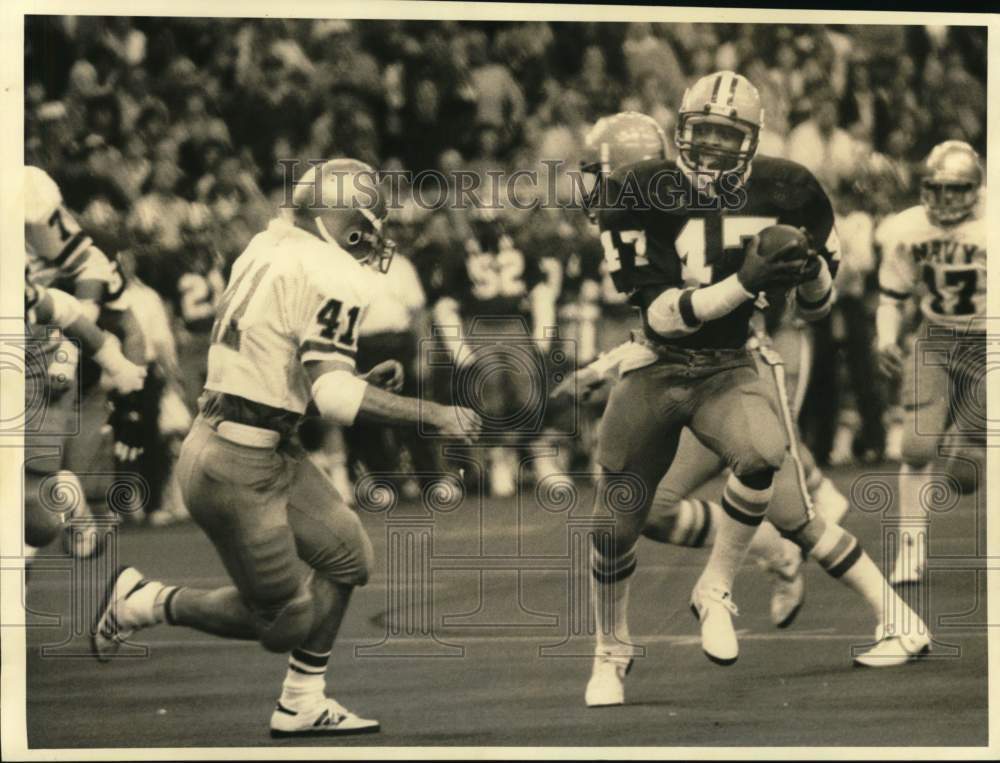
point(387, 375)
point(763, 270)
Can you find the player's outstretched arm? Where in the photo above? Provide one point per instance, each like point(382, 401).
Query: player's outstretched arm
point(344, 397)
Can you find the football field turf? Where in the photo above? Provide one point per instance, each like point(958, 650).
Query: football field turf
point(508, 664)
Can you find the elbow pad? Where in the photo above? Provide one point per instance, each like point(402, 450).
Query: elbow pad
point(338, 396)
point(671, 314)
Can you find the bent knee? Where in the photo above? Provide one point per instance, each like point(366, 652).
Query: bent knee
point(764, 455)
point(350, 562)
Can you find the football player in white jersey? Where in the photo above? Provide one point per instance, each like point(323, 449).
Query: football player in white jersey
point(59, 253)
point(45, 509)
point(285, 337)
point(936, 249)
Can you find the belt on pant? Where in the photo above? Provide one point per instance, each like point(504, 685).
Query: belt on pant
point(700, 358)
point(244, 434)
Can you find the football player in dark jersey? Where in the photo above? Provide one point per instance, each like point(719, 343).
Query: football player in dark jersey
point(681, 239)
point(492, 302)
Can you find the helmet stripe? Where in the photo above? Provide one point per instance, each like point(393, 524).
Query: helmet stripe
point(715, 89)
point(732, 91)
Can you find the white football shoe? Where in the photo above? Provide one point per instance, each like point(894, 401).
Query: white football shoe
point(127, 606)
point(911, 561)
point(788, 589)
point(326, 718)
point(714, 609)
point(892, 650)
point(607, 680)
point(830, 503)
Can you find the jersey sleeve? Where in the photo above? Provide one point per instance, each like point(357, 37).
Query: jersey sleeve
point(897, 274)
point(325, 307)
point(815, 214)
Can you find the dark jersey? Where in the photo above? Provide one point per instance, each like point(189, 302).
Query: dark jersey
point(488, 275)
point(190, 281)
point(657, 234)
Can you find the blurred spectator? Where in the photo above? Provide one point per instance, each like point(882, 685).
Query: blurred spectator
point(858, 107)
point(162, 204)
point(647, 54)
point(652, 100)
point(499, 99)
point(819, 144)
point(595, 85)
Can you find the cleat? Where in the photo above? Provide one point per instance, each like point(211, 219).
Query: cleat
point(326, 718)
point(713, 607)
point(607, 681)
point(788, 590)
point(830, 503)
point(111, 628)
point(128, 604)
point(894, 650)
point(910, 562)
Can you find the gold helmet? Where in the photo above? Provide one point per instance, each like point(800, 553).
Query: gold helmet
point(949, 189)
point(730, 102)
point(615, 141)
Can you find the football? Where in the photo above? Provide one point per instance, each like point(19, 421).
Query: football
point(784, 242)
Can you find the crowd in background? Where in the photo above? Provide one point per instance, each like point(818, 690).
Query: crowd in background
point(155, 126)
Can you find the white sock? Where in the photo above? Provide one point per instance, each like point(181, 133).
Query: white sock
point(839, 553)
point(912, 514)
point(305, 681)
point(695, 523)
point(609, 588)
point(743, 511)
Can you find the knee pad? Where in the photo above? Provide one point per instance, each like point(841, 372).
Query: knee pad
point(285, 628)
point(760, 451)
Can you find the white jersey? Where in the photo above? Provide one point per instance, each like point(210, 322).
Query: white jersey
point(58, 251)
point(949, 260)
point(291, 298)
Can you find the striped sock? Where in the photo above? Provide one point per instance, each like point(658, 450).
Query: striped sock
point(694, 525)
point(305, 681)
point(609, 593)
point(743, 510)
point(682, 523)
point(840, 554)
point(836, 550)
